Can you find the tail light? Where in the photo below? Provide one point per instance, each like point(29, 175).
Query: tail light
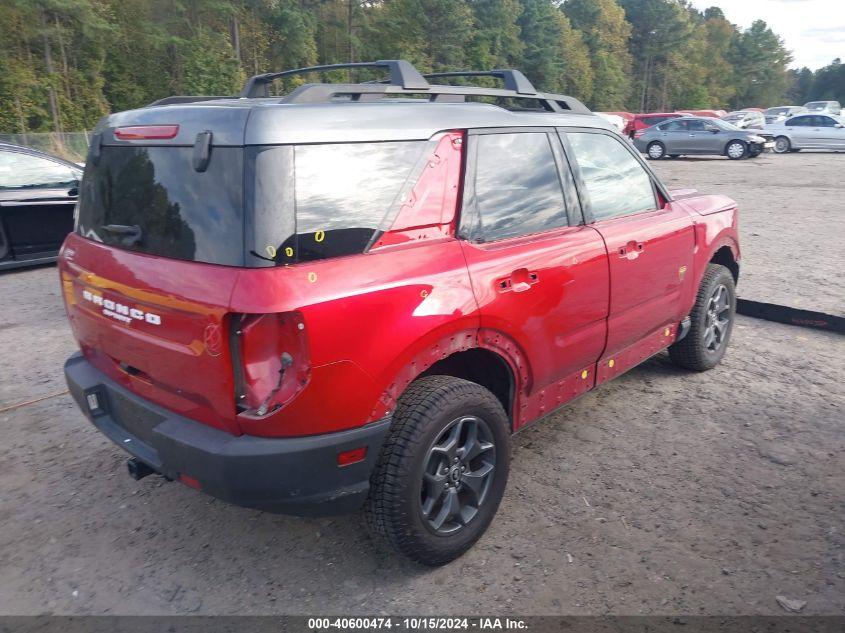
point(270, 358)
point(639, 133)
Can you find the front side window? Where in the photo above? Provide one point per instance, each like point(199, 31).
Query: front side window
point(825, 121)
point(674, 126)
point(517, 189)
point(616, 183)
point(697, 126)
point(25, 171)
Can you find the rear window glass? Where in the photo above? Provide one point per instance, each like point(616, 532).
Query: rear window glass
point(318, 201)
point(151, 200)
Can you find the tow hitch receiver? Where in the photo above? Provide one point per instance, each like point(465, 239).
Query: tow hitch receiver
point(138, 469)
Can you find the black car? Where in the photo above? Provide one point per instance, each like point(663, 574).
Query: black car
point(37, 197)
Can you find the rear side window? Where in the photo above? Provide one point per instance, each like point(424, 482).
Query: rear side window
point(616, 183)
point(311, 202)
point(517, 189)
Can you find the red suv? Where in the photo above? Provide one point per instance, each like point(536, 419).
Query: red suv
point(354, 294)
point(643, 121)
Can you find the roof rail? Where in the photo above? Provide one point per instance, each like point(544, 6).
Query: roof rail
point(401, 72)
point(514, 80)
point(186, 99)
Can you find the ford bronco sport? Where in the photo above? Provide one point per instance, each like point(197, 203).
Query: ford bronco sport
point(352, 295)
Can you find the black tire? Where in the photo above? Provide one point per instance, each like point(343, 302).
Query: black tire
point(783, 145)
point(656, 150)
point(429, 409)
point(674, 155)
point(736, 155)
point(693, 351)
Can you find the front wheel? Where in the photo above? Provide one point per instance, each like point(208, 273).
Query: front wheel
point(782, 145)
point(442, 471)
point(711, 322)
point(736, 150)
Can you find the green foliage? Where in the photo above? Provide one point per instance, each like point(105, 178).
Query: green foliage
point(65, 63)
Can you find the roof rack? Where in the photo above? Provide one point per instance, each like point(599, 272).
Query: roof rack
point(402, 74)
point(403, 79)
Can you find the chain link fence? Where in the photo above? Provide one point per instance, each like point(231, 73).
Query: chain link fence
point(72, 146)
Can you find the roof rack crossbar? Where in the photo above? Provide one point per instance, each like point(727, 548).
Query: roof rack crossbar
point(514, 80)
point(402, 74)
point(322, 93)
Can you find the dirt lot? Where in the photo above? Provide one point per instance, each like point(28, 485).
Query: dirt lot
point(664, 492)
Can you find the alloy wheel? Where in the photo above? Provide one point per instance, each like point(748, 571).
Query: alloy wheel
point(782, 145)
point(458, 475)
point(718, 318)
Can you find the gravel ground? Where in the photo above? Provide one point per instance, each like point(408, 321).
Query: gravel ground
point(664, 492)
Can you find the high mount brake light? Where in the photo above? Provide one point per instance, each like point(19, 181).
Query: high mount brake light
point(146, 132)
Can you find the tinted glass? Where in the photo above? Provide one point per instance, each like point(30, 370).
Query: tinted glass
point(674, 126)
point(799, 121)
point(150, 199)
point(654, 120)
point(698, 125)
point(617, 184)
point(517, 187)
point(24, 171)
point(825, 121)
point(318, 201)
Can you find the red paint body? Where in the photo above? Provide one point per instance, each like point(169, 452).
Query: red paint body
point(565, 310)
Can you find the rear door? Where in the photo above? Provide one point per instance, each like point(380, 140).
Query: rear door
point(37, 196)
point(538, 273)
point(650, 246)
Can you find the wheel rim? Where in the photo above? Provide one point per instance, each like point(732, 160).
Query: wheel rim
point(718, 319)
point(655, 150)
point(458, 475)
point(735, 150)
point(782, 145)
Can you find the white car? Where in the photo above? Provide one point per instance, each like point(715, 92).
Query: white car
point(781, 113)
point(745, 119)
point(808, 131)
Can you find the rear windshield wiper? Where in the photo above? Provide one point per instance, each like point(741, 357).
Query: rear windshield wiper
point(130, 233)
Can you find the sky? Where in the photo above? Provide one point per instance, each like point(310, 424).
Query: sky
point(814, 30)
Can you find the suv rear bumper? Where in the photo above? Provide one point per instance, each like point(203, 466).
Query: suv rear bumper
point(285, 475)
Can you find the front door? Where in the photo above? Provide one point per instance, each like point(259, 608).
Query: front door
point(650, 247)
point(539, 275)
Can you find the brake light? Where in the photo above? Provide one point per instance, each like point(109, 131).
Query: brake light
point(271, 361)
point(146, 132)
point(639, 133)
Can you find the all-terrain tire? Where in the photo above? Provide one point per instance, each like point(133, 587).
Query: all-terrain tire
point(693, 352)
point(393, 510)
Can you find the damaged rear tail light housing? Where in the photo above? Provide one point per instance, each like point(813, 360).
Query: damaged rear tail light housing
point(268, 376)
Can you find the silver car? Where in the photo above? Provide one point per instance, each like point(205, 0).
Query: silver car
point(824, 107)
point(701, 135)
point(808, 131)
point(745, 119)
point(781, 113)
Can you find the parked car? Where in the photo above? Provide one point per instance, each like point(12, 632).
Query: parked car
point(808, 131)
point(37, 196)
point(642, 121)
point(824, 107)
point(745, 119)
point(780, 113)
point(715, 114)
point(311, 303)
point(617, 121)
point(700, 135)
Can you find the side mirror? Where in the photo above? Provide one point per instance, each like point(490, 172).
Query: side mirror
point(839, 125)
point(713, 130)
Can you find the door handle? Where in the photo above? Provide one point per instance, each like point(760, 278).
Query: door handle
point(519, 280)
point(631, 250)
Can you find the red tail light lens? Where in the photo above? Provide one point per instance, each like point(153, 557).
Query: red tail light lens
point(145, 132)
point(271, 361)
point(639, 133)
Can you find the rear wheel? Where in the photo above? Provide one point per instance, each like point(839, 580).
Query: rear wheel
point(711, 322)
point(656, 150)
point(442, 471)
point(736, 150)
point(782, 145)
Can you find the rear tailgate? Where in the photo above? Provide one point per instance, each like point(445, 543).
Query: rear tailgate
point(159, 327)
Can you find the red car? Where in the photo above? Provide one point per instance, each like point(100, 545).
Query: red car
point(714, 114)
point(642, 121)
point(332, 300)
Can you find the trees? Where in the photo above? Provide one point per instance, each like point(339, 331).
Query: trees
point(64, 63)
